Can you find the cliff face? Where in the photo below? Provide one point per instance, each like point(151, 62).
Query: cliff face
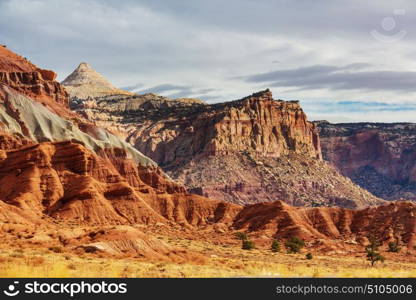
point(65, 180)
point(379, 157)
point(256, 124)
point(246, 151)
point(175, 130)
point(21, 75)
point(264, 126)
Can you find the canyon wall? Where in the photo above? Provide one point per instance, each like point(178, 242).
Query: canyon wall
point(380, 157)
point(256, 124)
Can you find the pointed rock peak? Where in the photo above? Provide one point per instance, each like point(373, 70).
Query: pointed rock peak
point(85, 82)
point(84, 65)
point(85, 74)
point(263, 94)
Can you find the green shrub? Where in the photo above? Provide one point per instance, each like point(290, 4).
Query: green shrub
point(309, 256)
point(394, 247)
point(241, 235)
point(247, 245)
point(294, 245)
point(275, 246)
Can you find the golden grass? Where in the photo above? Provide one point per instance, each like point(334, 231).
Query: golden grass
point(222, 261)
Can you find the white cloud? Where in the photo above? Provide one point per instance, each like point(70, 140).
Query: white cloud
point(202, 46)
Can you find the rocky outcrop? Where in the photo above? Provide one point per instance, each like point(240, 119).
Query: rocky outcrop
point(116, 104)
point(256, 124)
point(65, 180)
point(128, 241)
point(264, 126)
point(380, 157)
point(84, 82)
point(24, 77)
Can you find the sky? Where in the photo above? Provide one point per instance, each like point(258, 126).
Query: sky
point(346, 61)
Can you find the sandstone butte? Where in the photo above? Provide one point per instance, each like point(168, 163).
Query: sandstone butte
point(58, 170)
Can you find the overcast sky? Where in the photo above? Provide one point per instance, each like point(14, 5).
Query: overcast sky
point(344, 60)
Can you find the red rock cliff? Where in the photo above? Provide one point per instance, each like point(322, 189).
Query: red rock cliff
point(23, 76)
point(266, 127)
point(257, 124)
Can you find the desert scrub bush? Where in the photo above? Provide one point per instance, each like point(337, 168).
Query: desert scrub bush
point(294, 245)
point(56, 249)
point(372, 251)
point(394, 247)
point(309, 256)
point(241, 235)
point(275, 247)
point(247, 245)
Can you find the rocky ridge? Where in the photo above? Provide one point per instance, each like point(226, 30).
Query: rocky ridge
point(23, 76)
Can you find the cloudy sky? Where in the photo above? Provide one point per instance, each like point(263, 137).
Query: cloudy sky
point(344, 60)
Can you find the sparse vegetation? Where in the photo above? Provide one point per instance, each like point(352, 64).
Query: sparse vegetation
point(294, 245)
point(241, 235)
point(56, 249)
point(229, 261)
point(372, 251)
point(247, 245)
point(309, 256)
point(394, 247)
point(275, 246)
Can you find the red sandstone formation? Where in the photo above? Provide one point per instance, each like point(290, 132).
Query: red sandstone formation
point(256, 124)
point(24, 77)
point(379, 157)
point(61, 158)
point(324, 226)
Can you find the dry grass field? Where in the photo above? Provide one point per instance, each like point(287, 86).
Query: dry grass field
point(221, 261)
